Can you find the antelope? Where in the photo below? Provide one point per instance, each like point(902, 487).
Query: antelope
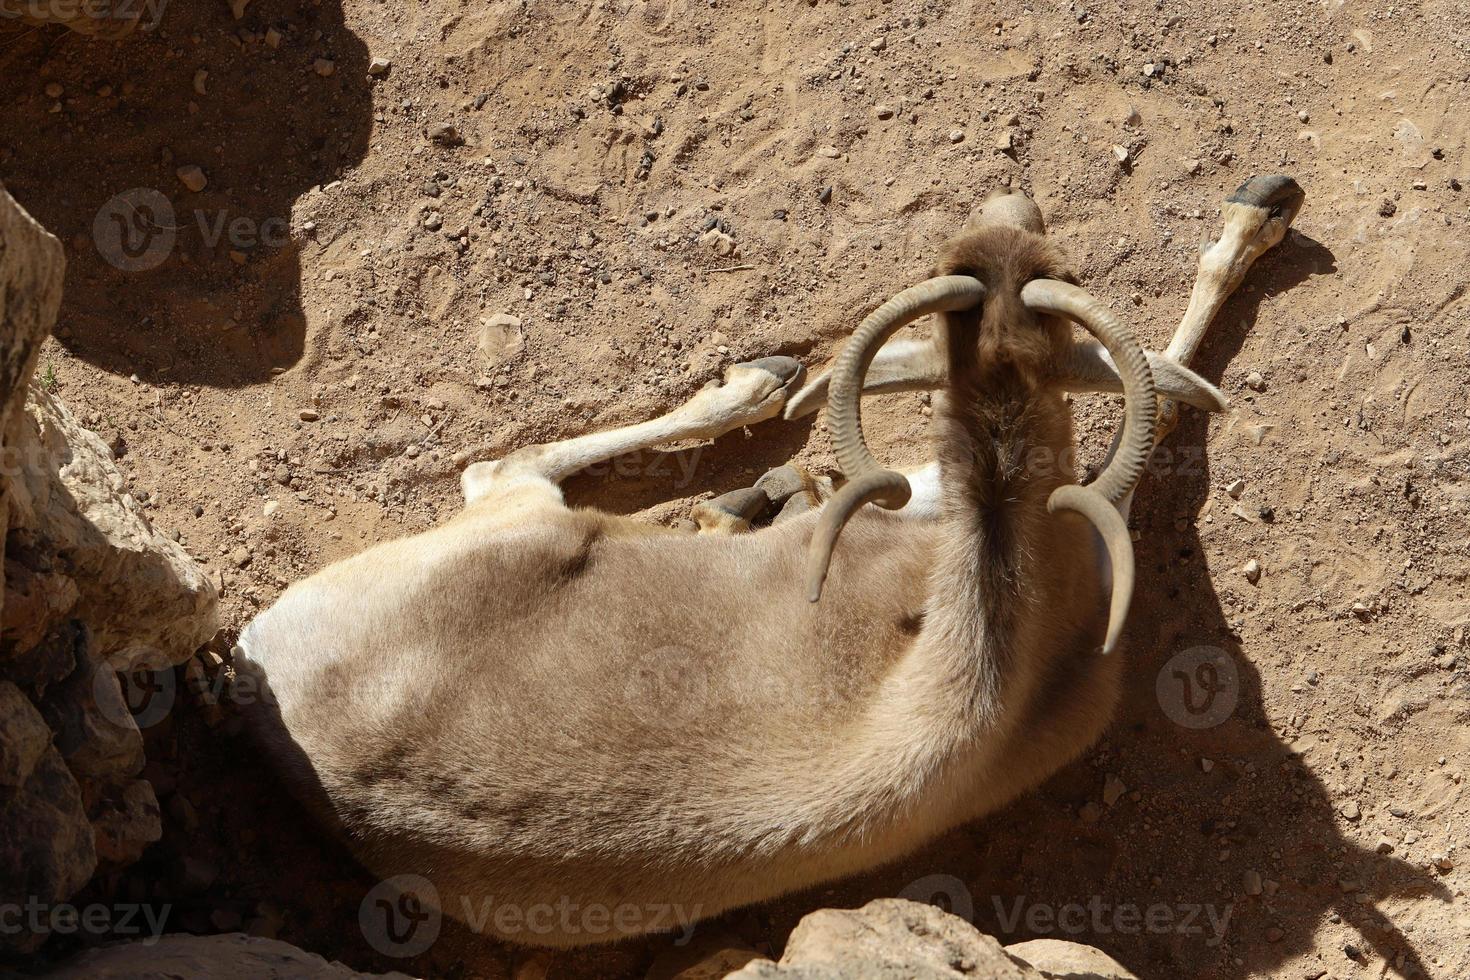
point(534, 706)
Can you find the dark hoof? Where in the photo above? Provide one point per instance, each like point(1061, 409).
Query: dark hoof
point(747, 505)
point(785, 368)
point(1277, 193)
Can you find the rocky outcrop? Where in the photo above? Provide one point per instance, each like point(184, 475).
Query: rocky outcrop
point(892, 937)
point(233, 956)
point(90, 589)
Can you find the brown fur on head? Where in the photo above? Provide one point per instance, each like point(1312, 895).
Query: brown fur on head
point(1003, 341)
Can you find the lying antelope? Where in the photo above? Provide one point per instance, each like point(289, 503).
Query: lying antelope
point(532, 704)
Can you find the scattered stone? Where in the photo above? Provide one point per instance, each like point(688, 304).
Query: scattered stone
point(1255, 381)
point(309, 415)
point(956, 135)
point(1235, 488)
point(273, 38)
point(379, 67)
point(324, 67)
point(54, 90)
point(1132, 117)
point(270, 507)
point(1090, 812)
point(825, 194)
point(1206, 764)
point(200, 77)
point(1385, 846)
point(1303, 115)
point(1387, 208)
point(445, 134)
point(1193, 167)
point(1252, 571)
point(1274, 934)
point(722, 243)
point(878, 44)
point(237, 8)
point(193, 178)
point(501, 339)
point(433, 221)
point(1351, 811)
point(884, 111)
point(1251, 882)
point(1113, 789)
point(1120, 154)
point(1398, 811)
point(1004, 141)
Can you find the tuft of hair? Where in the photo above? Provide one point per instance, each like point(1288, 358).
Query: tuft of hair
point(1003, 341)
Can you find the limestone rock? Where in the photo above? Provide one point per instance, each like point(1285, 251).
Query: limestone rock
point(1061, 960)
point(24, 737)
point(148, 604)
point(47, 851)
point(886, 939)
point(124, 827)
point(31, 268)
point(231, 956)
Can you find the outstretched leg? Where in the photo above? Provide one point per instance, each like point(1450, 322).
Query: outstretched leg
point(752, 392)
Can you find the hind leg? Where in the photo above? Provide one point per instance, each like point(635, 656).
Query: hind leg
point(531, 477)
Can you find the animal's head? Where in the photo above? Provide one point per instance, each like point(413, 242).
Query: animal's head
point(1006, 301)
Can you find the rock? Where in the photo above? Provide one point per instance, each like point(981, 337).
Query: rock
point(722, 244)
point(193, 178)
point(1252, 571)
point(1235, 488)
point(1251, 882)
point(47, 852)
point(1113, 789)
point(146, 602)
point(888, 938)
point(232, 956)
point(1255, 381)
point(884, 111)
point(325, 67)
point(1120, 154)
point(878, 44)
point(825, 194)
point(379, 67)
point(501, 339)
point(956, 135)
point(24, 736)
point(237, 8)
point(445, 134)
point(1351, 811)
point(1058, 959)
point(308, 415)
point(124, 827)
point(1004, 142)
point(94, 730)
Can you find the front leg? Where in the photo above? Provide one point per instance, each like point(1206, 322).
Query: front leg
point(753, 392)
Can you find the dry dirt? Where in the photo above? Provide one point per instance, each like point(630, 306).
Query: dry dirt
point(592, 147)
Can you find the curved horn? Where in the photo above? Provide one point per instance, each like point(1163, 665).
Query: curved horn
point(867, 480)
point(1098, 500)
point(1140, 397)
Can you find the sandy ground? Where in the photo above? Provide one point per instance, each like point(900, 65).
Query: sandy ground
point(297, 360)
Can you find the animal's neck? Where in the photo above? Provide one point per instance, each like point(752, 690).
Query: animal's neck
point(1003, 448)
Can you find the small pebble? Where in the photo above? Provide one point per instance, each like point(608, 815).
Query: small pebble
point(54, 90)
point(309, 415)
point(1252, 571)
point(378, 67)
point(192, 178)
point(1255, 381)
point(884, 111)
point(956, 135)
point(1235, 488)
point(1251, 882)
point(324, 67)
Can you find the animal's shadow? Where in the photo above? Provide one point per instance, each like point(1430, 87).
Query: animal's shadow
point(162, 281)
point(1164, 878)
